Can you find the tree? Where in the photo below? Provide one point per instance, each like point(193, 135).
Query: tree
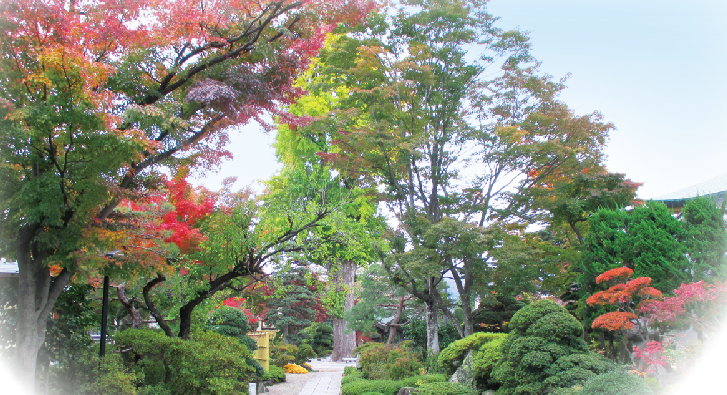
point(695, 305)
point(627, 297)
point(645, 239)
point(448, 145)
point(293, 306)
point(91, 109)
point(379, 306)
point(705, 238)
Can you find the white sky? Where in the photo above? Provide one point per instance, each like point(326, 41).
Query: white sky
point(655, 68)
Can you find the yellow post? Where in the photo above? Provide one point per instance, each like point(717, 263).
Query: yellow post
point(263, 340)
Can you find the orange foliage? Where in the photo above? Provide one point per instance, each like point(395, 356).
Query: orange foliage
point(615, 320)
point(619, 273)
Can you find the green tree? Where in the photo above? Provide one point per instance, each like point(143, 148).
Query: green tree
point(705, 239)
point(447, 145)
point(645, 239)
point(293, 306)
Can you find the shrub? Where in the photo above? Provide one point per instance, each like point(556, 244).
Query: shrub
point(577, 368)
point(451, 357)
point(372, 393)
point(616, 382)
point(208, 363)
point(293, 368)
point(304, 353)
point(445, 389)
point(380, 362)
point(544, 351)
point(485, 359)
point(349, 370)
point(347, 378)
point(282, 354)
point(358, 387)
point(276, 374)
point(114, 378)
point(419, 380)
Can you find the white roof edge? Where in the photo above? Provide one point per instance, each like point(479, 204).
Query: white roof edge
point(712, 186)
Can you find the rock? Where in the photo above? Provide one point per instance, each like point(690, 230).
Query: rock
point(465, 374)
point(489, 392)
point(406, 391)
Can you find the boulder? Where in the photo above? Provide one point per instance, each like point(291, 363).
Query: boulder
point(465, 374)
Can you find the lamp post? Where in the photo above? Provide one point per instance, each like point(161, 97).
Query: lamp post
point(105, 307)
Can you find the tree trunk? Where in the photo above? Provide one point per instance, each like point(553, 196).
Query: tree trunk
point(432, 328)
point(136, 321)
point(394, 326)
point(37, 293)
point(344, 340)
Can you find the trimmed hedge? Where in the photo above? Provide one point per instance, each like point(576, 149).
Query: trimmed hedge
point(352, 377)
point(354, 385)
point(358, 387)
point(445, 389)
point(451, 357)
point(617, 382)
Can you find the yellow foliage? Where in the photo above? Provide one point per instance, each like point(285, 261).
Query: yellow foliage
point(293, 368)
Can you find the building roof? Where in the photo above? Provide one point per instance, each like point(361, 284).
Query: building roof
point(715, 187)
point(8, 269)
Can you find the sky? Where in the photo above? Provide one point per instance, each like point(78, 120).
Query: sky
point(655, 69)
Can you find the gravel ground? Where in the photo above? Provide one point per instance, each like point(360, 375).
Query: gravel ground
point(294, 382)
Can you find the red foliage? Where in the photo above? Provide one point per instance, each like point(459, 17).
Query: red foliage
point(615, 320)
point(181, 220)
point(698, 303)
point(652, 355)
point(622, 297)
point(619, 273)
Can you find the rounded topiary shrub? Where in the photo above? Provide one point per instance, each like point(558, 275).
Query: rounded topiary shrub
point(544, 351)
point(451, 357)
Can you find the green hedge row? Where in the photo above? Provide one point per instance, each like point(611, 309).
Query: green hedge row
point(354, 385)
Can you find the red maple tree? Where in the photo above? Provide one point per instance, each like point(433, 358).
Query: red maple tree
point(625, 296)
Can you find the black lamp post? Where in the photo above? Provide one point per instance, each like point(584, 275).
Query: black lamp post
point(105, 307)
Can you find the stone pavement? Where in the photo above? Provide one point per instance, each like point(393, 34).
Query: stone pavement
point(327, 381)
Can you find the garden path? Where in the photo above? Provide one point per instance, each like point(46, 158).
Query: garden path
point(328, 379)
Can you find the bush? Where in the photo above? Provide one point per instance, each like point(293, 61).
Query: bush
point(419, 380)
point(349, 370)
point(451, 357)
point(275, 374)
point(485, 359)
point(577, 368)
point(544, 352)
point(304, 353)
point(445, 389)
point(206, 364)
point(382, 362)
point(358, 387)
point(282, 354)
point(372, 393)
point(617, 382)
point(114, 378)
point(347, 378)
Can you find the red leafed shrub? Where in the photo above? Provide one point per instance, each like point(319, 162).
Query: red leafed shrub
point(619, 273)
point(626, 297)
point(697, 303)
point(615, 320)
point(651, 355)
